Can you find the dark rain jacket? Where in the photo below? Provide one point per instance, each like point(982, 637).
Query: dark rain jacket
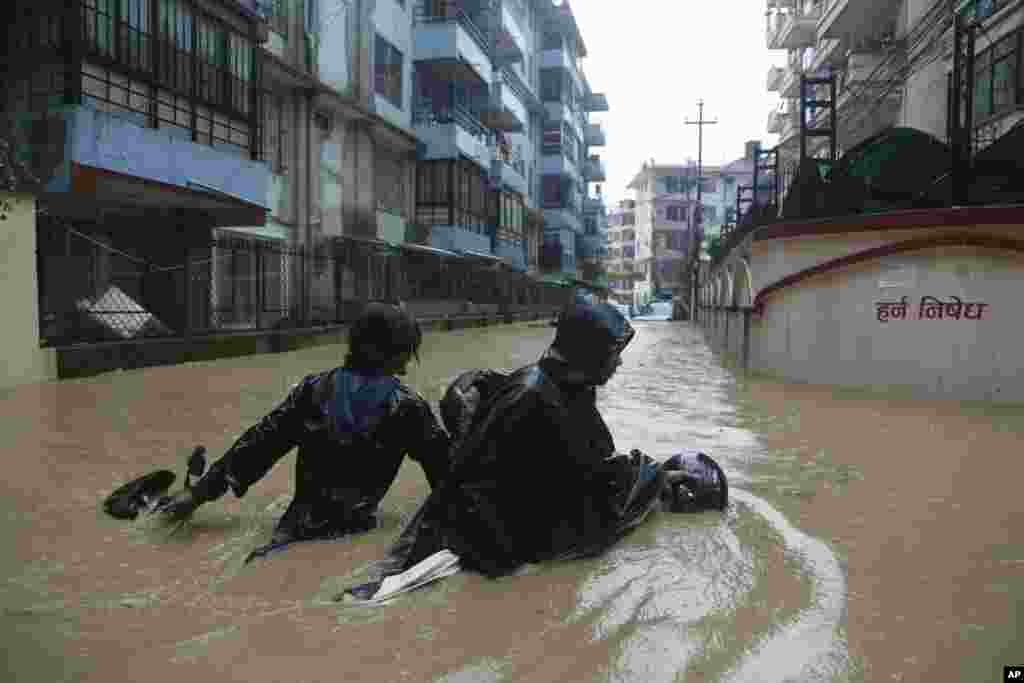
point(534, 477)
point(352, 431)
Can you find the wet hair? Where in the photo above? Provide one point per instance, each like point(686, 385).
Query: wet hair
point(380, 336)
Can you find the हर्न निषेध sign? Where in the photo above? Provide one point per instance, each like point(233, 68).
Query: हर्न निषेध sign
point(930, 308)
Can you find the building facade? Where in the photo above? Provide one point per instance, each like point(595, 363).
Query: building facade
point(620, 261)
point(893, 65)
point(567, 165)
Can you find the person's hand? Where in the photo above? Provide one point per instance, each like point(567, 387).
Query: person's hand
point(179, 506)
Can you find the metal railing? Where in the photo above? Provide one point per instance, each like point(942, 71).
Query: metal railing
point(459, 115)
point(435, 12)
point(93, 291)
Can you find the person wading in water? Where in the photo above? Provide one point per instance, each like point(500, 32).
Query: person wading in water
point(353, 426)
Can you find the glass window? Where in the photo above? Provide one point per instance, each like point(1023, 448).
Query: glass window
point(388, 71)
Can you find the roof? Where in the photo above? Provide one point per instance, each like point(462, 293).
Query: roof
point(742, 165)
point(666, 169)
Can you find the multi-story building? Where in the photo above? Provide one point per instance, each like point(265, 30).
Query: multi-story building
point(567, 165)
point(491, 79)
point(665, 200)
point(892, 61)
point(620, 261)
point(143, 120)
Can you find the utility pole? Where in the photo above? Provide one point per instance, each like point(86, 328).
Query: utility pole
point(694, 246)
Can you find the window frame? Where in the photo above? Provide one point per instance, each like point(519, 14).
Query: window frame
point(388, 71)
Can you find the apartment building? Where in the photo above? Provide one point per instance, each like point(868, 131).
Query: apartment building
point(665, 199)
point(893, 65)
point(620, 261)
point(567, 166)
point(143, 120)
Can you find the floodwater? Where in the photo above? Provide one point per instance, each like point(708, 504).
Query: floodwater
point(869, 539)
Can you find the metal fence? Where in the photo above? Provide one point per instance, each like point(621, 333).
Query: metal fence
point(93, 289)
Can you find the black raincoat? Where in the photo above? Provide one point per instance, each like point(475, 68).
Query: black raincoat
point(534, 477)
point(353, 430)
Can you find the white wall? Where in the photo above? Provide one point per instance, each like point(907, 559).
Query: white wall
point(23, 360)
point(827, 331)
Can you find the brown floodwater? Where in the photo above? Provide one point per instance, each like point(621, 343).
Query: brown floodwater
point(870, 538)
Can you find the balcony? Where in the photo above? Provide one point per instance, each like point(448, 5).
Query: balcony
point(562, 219)
point(790, 85)
point(593, 170)
point(452, 47)
point(774, 78)
point(790, 126)
point(452, 132)
point(827, 55)
point(772, 29)
point(560, 111)
point(509, 44)
point(799, 29)
point(593, 135)
point(855, 21)
point(559, 164)
point(559, 58)
point(595, 102)
point(108, 159)
point(508, 170)
point(593, 204)
point(503, 109)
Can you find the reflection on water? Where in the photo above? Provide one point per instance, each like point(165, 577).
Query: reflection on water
point(869, 538)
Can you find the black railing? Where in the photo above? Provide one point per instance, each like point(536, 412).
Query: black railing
point(93, 290)
point(460, 115)
point(440, 12)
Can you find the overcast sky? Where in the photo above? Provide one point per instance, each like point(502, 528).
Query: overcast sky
point(655, 58)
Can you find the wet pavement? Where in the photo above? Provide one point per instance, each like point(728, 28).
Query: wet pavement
point(871, 538)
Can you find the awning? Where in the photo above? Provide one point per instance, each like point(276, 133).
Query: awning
point(480, 254)
point(413, 246)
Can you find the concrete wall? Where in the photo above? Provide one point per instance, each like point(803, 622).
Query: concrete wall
point(23, 360)
point(827, 329)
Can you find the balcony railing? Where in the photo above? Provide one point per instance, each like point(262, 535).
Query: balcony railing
point(448, 12)
point(460, 116)
point(510, 78)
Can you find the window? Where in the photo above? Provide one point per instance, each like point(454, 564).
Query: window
point(552, 141)
point(551, 85)
point(388, 71)
point(997, 80)
point(551, 41)
point(278, 18)
point(676, 213)
point(710, 214)
point(629, 219)
point(175, 45)
point(708, 185)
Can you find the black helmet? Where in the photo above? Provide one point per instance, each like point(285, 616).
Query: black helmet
point(382, 333)
point(589, 334)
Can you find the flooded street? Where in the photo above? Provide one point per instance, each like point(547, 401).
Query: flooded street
point(869, 539)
